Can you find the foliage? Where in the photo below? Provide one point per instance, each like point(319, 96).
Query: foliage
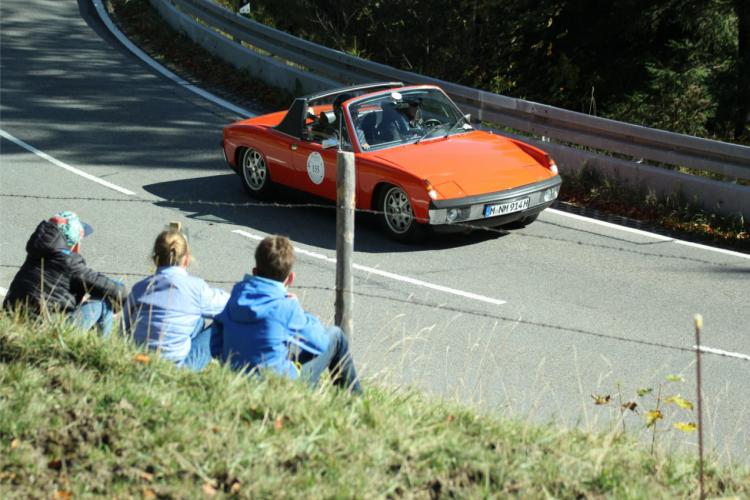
point(81, 416)
point(672, 64)
point(653, 409)
point(594, 191)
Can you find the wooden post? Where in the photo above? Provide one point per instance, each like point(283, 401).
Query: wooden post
point(699, 396)
point(345, 192)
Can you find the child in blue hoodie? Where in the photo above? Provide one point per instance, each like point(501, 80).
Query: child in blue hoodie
point(262, 324)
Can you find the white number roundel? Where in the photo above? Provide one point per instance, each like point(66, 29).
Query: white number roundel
point(315, 168)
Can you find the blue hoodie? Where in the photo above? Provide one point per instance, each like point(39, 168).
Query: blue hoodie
point(260, 322)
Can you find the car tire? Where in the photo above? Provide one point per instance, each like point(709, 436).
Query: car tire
point(397, 216)
point(256, 179)
point(521, 223)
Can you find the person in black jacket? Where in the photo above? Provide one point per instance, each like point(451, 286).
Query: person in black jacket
point(54, 278)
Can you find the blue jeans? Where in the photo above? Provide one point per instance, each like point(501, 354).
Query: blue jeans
point(337, 359)
point(200, 347)
point(93, 313)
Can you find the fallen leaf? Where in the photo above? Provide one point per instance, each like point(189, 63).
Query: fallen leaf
point(601, 400)
point(147, 476)
point(277, 425)
point(450, 419)
point(14, 444)
point(235, 489)
point(675, 378)
point(142, 358)
point(149, 493)
point(686, 426)
point(644, 391)
point(209, 489)
point(63, 495)
point(124, 404)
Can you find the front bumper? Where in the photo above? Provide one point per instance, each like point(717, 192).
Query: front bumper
point(472, 209)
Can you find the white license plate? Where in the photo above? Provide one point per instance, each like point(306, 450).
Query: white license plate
point(506, 208)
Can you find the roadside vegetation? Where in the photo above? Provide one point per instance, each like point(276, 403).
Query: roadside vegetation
point(586, 191)
point(83, 416)
point(673, 65)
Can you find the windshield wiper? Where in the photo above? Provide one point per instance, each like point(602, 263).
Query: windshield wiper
point(429, 132)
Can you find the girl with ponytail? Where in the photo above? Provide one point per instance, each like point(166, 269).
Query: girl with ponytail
point(168, 311)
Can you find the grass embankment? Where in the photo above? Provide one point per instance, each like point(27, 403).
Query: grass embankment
point(675, 217)
point(83, 416)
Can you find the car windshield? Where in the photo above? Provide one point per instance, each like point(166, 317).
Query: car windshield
point(402, 117)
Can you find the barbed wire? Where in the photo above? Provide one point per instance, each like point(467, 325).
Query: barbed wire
point(449, 308)
point(467, 227)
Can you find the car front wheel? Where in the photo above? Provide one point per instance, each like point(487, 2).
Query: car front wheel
point(398, 217)
point(254, 173)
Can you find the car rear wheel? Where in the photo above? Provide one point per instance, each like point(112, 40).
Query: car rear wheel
point(254, 173)
point(397, 216)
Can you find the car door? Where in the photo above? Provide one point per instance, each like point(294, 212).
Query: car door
point(275, 146)
point(315, 168)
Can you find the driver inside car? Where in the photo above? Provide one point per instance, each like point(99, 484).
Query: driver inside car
point(393, 124)
point(413, 113)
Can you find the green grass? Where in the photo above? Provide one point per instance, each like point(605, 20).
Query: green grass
point(82, 416)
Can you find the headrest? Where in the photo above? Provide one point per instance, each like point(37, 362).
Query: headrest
point(327, 118)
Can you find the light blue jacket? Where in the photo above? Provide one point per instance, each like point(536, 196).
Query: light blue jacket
point(164, 310)
point(261, 322)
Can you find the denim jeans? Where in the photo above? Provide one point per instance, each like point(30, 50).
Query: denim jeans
point(93, 313)
point(337, 359)
point(200, 347)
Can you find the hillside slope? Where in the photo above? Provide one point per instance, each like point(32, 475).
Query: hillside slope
point(82, 416)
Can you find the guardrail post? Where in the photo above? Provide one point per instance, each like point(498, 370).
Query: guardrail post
point(345, 204)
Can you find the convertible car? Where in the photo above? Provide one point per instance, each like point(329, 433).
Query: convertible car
point(419, 162)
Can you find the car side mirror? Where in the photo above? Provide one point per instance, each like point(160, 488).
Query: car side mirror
point(329, 143)
point(467, 117)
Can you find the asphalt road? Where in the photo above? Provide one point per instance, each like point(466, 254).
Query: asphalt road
point(528, 324)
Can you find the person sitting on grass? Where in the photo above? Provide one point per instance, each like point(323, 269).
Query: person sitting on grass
point(265, 327)
point(54, 278)
point(167, 311)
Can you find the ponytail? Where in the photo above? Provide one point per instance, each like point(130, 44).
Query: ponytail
point(170, 248)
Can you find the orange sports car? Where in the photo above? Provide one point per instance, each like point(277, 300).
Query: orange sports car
point(419, 162)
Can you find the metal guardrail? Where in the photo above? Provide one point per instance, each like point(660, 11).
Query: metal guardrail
point(729, 160)
point(612, 148)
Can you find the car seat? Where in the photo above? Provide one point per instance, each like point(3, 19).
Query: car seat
point(393, 124)
point(368, 126)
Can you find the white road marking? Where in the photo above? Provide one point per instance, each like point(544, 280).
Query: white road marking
point(723, 353)
point(385, 274)
point(161, 69)
point(65, 166)
point(647, 234)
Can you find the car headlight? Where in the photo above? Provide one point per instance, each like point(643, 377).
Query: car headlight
point(550, 194)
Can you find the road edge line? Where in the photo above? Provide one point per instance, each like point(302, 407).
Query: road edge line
point(104, 16)
point(386, 274)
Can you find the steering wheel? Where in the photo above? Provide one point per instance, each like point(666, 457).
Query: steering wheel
point(431, 122)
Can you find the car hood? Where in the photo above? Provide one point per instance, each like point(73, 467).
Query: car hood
point(467, 164)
